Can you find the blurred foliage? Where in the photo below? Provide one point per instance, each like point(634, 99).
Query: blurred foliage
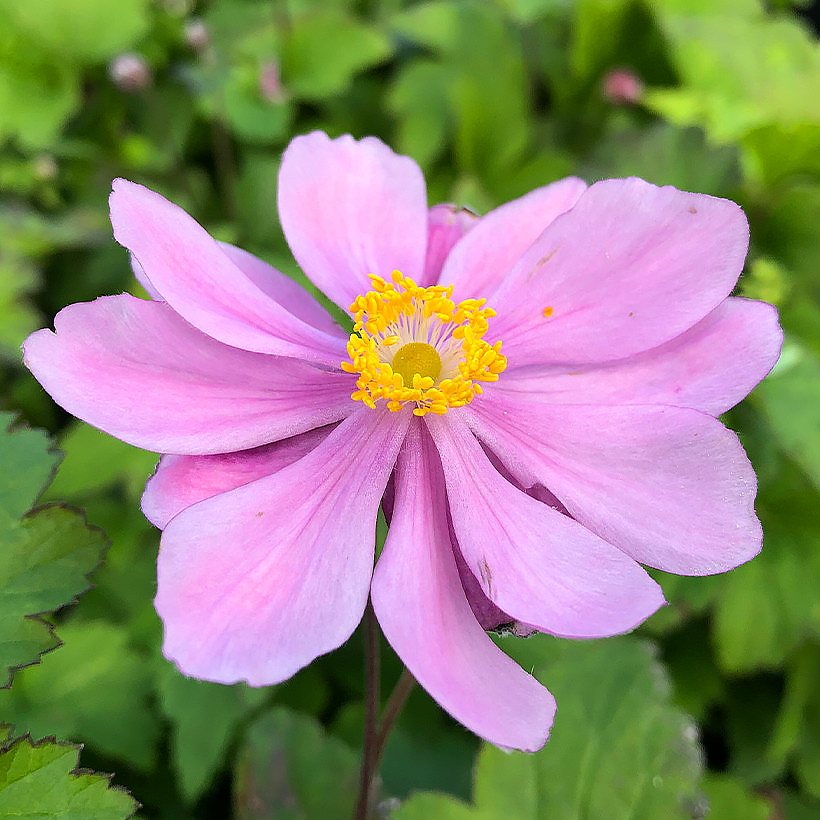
point(492, 98)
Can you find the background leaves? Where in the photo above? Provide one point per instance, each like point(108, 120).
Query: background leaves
point(492, 98)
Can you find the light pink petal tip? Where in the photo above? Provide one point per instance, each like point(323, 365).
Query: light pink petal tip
point(180, 482)
point(669, 486)
point(533, 562)
point(422, 609)
point(710, 367)
point(195, 275)
point(479, 263)
point(255, 583)
point(446, 224)
point(630, 267)
point(349, 209)
point(139, 372)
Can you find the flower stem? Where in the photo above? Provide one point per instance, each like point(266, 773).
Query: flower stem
point(375, 734)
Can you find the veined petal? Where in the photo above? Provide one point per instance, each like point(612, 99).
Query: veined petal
point(181, 481)
point(669, 486)
point(478, 264)
point(255, 583)
point(710, 367)
point(446, 224)
point(533, 562)
point(196, 277)
point(139, 372)
point(292, 296)
point(422, 609)
point(351, 208)
point(630, 267)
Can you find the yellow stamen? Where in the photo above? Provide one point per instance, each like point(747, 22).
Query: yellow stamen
point(442, 358)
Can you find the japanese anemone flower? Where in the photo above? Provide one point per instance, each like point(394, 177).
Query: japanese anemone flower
point(531, 450)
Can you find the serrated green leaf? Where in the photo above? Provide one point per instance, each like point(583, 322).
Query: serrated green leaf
point(290, 769)
point(29, 461)
point(324, 51)
point(94, 690)
point(37, 782)
point(46, 556)
point(204, 717)
point(618, 748)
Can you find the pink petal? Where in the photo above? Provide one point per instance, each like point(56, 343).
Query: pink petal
point(538, 565)
point(138, 371)
point(181, 481)
point(418, 599)
point(284, 290)
point(669, 486)
point(630, 267)
point(710, 367)
point(349, 209)
point(255, 583)
point(446, 224)
point(196, 277)
point(139, 275)
point(478, 264)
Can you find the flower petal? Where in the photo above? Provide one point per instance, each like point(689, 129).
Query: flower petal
point(182, 481)
point(669, 486)
point(479, 263)
point(710, 367)
point(255, 583)
point(446, 224)
point(422, 609)
point(349, 209)
point(292, 296)
point(630, 267)
point(195, 276)
point(533, 562)
point(136, 370)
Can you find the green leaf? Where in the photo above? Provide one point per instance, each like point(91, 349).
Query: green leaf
point(85, 30)
point(777, 591)
point(419, 100)
point(290, 769)
point(94, 461)
point(95, 690)
point(618, 749)
point(790, 402)
point(731, 799)
point(36, 98)
point(46, 556)
point(40, 781)
point(324, 51)
point(204, 717)
point(739, 72)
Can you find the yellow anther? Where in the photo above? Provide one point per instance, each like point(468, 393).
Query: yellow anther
point(438, 338)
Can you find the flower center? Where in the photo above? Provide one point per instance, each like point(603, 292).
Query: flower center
point(416, 345)
point(417, 357)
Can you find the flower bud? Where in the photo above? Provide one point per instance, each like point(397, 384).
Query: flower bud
point(622, 86)
point(197, 35)
point(130, 72)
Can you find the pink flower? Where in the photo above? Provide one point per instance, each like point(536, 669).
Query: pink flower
point(525, 487)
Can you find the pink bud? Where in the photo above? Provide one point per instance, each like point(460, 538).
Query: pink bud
point(130, 72)
point(197, 35)
point(270, 82)
point(622, 86)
